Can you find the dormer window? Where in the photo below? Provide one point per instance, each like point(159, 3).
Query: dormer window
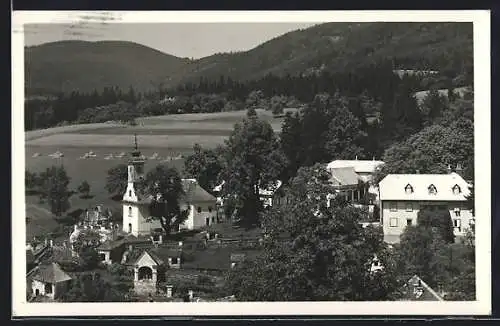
point(456, 190)
point(408, 189)
point(432, 190)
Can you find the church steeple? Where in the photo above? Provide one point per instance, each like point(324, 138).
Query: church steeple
point(136, 164)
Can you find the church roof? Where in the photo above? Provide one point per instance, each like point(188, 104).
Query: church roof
point(51, 273)
point(195, 193)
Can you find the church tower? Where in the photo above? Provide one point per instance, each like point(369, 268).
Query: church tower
point(134, 210)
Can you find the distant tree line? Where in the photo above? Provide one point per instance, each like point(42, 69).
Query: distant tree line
point(271, 92)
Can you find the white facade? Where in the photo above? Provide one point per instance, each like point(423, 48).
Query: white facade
point(135, 210)
point(136, 221)
point(201, 214)
point(403, 195)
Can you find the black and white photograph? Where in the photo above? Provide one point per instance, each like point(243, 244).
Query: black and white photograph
point(253, 163)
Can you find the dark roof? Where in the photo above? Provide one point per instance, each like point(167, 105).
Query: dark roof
point(195, 193)
point(417, 290)
point(60, 253)
point(111, 244)
point(51, 273)
point(214, 259)
point(30, 258)
point(160, 255)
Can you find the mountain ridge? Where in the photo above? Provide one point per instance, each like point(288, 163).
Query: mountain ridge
point(327, 47)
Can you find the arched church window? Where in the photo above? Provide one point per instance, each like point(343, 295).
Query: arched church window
point(129, 211)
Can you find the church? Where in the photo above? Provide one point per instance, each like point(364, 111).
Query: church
point(136, 221)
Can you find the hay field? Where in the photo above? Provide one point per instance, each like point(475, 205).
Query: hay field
point(169, 136)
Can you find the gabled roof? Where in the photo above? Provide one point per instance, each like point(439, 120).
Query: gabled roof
point(195, 193)
point(359, 166)
point(160, 255)
point(417, 290)
point(392, 187)
point(344, 176)
point(30, 258)
point(51, 273)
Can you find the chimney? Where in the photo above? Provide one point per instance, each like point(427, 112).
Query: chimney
point(356, 157)
point(417, 171)
point(449, 169)
point(190, 292)
point(459, 167)
point(51, 243)
point(46, 241)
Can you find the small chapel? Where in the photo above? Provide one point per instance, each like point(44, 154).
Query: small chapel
point(136, 221)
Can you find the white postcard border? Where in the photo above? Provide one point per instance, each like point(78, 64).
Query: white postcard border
point(481, 20)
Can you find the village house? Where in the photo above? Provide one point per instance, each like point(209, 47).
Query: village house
point(267, 195)
point(353, 179)
point(403, 195)
point(417, 290)
point(50, 280)
point(136, 217)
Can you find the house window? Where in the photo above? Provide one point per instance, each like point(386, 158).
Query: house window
point(394, 222)
point(432, 190)
point(199, 209)
point(456, 224)
point(102, 257)
point(130, 193)
point(130, 228)
point(48, 288)
point(409, 221)
point(174, 261)
point(409, 189)
point(457, 212)
point(129, 211)
point(409, 207)
point(456, 189)
point(210, 209)
point(393, 206)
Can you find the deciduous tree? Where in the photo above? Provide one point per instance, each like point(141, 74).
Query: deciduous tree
point(116, 180)
point(164, 185)
point(54, 188)
point(315, 252)
point(84, 189)
point(205, 166)
point(253, 160)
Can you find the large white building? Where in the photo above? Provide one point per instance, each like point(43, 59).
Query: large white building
point(403, 195)
point(136, 221)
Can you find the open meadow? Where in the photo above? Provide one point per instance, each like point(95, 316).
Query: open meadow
point(169, 136)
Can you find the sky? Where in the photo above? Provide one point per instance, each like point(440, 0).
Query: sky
point(192, 40)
